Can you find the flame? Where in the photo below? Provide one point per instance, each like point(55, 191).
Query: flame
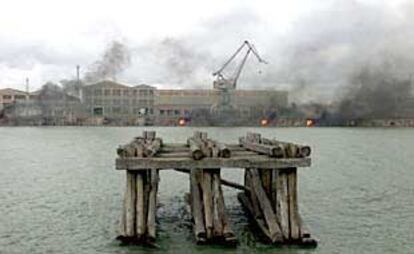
point(264, 122)
point(181, 122)
point(309, 123)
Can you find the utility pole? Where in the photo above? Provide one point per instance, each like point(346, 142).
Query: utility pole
point(27, 85)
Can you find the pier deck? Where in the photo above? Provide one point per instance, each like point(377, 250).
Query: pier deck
point(269, 192)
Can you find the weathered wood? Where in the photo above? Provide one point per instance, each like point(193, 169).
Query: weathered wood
point(259, 161)
point(222, 181)
point(266, 177)
point(195, 150)
point(265, 206)
point(208, 202)
point(224, 151)
point(139, 150)
point(282, 209)
point(294, 221)
point(149, 135)
point(259, 221)
point(218, 210)
point(130, 196)
point(152, 205)
point(228, 233)
point(301, 150)
point(253, 137)
point(270, 150)
point(127, 150)
point(197, 205)
point(252, 195)
point(140, 205)
point(153, 148)
point(275, 173)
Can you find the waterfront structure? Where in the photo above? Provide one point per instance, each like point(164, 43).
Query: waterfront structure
point(118, 101)
point(269, 192)
point(9, 96)
point(172, 104)
point(144, 104)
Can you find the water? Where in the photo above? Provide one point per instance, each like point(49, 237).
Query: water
point(60, 193)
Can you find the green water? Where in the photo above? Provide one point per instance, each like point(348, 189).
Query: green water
point(60, 193)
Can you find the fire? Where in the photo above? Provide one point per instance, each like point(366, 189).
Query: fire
point(181, 122)
point(309, 123)
point(264, 122)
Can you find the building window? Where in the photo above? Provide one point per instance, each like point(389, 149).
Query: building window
point(116, 102)
point(143, 92)
point(97, 92)
point(125, 102)
point(162, 112)
point(97, 101)
point(20, 97)
point(107, 92)
point(116, 92)
point(126, 92)
point(7, 97)
point(98, 111)
point(176, 112)
point(116, 110)
point(134, 92)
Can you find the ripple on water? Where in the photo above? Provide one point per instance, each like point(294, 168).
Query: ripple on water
point(59, 192)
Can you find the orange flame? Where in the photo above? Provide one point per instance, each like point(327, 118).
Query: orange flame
point(309, 123)
point(264, 122)
point(181, 122)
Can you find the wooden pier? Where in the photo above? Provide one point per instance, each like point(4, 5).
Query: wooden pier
point(269, 193)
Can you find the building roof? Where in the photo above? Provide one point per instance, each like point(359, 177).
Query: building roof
point(144, 86)
point(106, 84)
point(12, 91)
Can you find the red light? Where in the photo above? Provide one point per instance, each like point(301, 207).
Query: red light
point(264, 122)
point(181, 122)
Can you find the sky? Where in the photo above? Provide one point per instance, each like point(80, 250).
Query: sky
point(180, 43)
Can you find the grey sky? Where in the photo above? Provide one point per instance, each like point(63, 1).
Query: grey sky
point(44, 40)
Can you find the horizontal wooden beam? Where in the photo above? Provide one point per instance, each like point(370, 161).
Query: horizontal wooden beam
point(254, 161)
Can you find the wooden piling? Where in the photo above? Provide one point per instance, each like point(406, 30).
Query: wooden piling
point(281, 204)
point(269, 190)
point(208, 202)
point(266, 207)
point(152, 205)
point(130, 196)
point(294, 221)
point(140, 205)
point(197, 206)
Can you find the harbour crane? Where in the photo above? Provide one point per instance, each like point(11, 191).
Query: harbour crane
point(226, 84)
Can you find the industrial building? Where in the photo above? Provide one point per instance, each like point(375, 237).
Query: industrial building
point(147, 104)
point(9, 96)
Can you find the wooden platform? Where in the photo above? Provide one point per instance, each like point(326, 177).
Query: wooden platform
point(269, 191)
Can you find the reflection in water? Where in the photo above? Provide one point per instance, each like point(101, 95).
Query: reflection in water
point(60, 193)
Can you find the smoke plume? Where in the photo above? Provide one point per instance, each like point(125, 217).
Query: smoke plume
point(115, 59)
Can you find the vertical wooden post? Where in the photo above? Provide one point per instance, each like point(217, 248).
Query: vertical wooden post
point(294, 220)
point(197, 205)
point(152, 205)
point(281, 204)
point(140, 205)
point(130, 197)
point(208, 202)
